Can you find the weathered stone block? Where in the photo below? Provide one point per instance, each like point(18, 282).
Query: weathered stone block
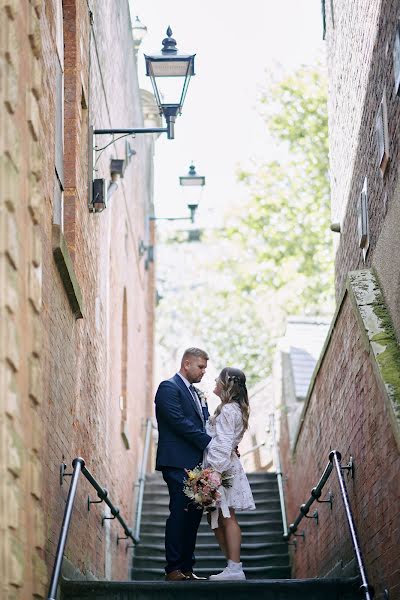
point(14, 450)
point(36, 247)
point(37, 429)
point(15, 562)
point(11, 88)
point(12, 239)
point(39, 576)
point(33, 118)
point(11, 7)
point(12, 147)
point(14, 502)
point(12, 350)
point(12, 396)
point(36, 159)
point(36, 74)
point(39, 526)
point(11, 292)
point(37, 334)
point(35, 205)
point(35, 472)
point(35, 39)
point(35, 287)
point(35, 379)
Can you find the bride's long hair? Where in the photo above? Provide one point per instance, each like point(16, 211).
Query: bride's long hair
point(233, 382)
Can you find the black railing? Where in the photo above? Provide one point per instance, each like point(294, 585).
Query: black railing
point(78, 465)
point(334, 463)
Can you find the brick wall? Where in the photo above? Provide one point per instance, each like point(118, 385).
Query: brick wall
point(346, 411)
point(360, 41)
point(63, 376)
point(22, 540)
point(347, 407)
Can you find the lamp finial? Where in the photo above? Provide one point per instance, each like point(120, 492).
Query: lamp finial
point(169, 44)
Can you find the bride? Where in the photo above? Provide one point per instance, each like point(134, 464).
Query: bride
point(226, 429)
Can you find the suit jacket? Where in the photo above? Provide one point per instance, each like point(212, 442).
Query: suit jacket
point(181, 435)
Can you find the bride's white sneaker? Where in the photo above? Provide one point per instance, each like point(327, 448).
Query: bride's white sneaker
point(233, 571)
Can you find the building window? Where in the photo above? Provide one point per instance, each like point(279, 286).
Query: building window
point(362, 219)
point(382, 136)
point(396, 61)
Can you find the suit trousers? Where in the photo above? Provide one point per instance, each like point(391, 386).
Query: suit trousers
point(182, 524)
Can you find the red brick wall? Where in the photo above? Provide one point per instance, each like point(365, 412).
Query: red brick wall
point(83, 376)
point(347, 412)
point(360, 40)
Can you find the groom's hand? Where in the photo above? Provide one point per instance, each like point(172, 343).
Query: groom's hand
point(237, 451)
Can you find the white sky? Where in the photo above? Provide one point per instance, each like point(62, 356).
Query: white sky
point(235, 44)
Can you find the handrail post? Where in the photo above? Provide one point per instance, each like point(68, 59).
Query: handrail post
point(365, 587)
point(278, 469)
point(142, 478)
point(78, 464)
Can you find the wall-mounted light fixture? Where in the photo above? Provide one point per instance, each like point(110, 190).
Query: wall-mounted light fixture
point(139, 31)
point(174, 71)
point(194, 184)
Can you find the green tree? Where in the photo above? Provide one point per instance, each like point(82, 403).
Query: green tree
point(285, 229)
point(277, 249)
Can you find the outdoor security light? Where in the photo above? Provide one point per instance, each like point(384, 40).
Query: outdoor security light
point(172, 71)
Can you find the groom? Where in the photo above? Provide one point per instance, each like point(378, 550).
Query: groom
point(181, 422)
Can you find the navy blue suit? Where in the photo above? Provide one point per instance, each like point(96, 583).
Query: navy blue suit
point(182, 439)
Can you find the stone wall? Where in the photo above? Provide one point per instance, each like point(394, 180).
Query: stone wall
point(77, 308)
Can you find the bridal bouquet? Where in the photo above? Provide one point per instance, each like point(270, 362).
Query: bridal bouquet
point(202, 485)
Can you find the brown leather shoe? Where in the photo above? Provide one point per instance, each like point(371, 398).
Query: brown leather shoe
point(175, 576)
point(190, 575)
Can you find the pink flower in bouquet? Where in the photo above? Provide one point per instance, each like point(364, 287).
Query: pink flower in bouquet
point(214, 478)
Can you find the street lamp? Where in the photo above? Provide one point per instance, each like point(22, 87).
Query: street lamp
point(139, 31)
point(174, 70)
point(193, 184)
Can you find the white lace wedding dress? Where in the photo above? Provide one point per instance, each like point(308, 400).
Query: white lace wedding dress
point(226, 432)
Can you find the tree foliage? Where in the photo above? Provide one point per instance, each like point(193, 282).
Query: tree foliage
point(285, 230)
point(277, 249)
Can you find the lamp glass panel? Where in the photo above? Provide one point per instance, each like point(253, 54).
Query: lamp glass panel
point(192, 195)
point(192, 181)
point(170, 89)
point(171, 68)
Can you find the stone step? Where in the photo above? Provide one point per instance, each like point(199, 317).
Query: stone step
point(245, 517)
point(263, 527)
point(160, 486)
point(272, 589)
point(215, 561)
point(206, 536)
point(161, 502)
point(246, 549)
point(263, 572)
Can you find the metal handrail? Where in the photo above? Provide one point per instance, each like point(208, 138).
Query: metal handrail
point(253, 449)
point(334, 462)
point(278, 470)
point(141, 480)
point(78, 465)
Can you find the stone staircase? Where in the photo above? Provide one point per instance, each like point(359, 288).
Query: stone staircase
point(264, 555)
